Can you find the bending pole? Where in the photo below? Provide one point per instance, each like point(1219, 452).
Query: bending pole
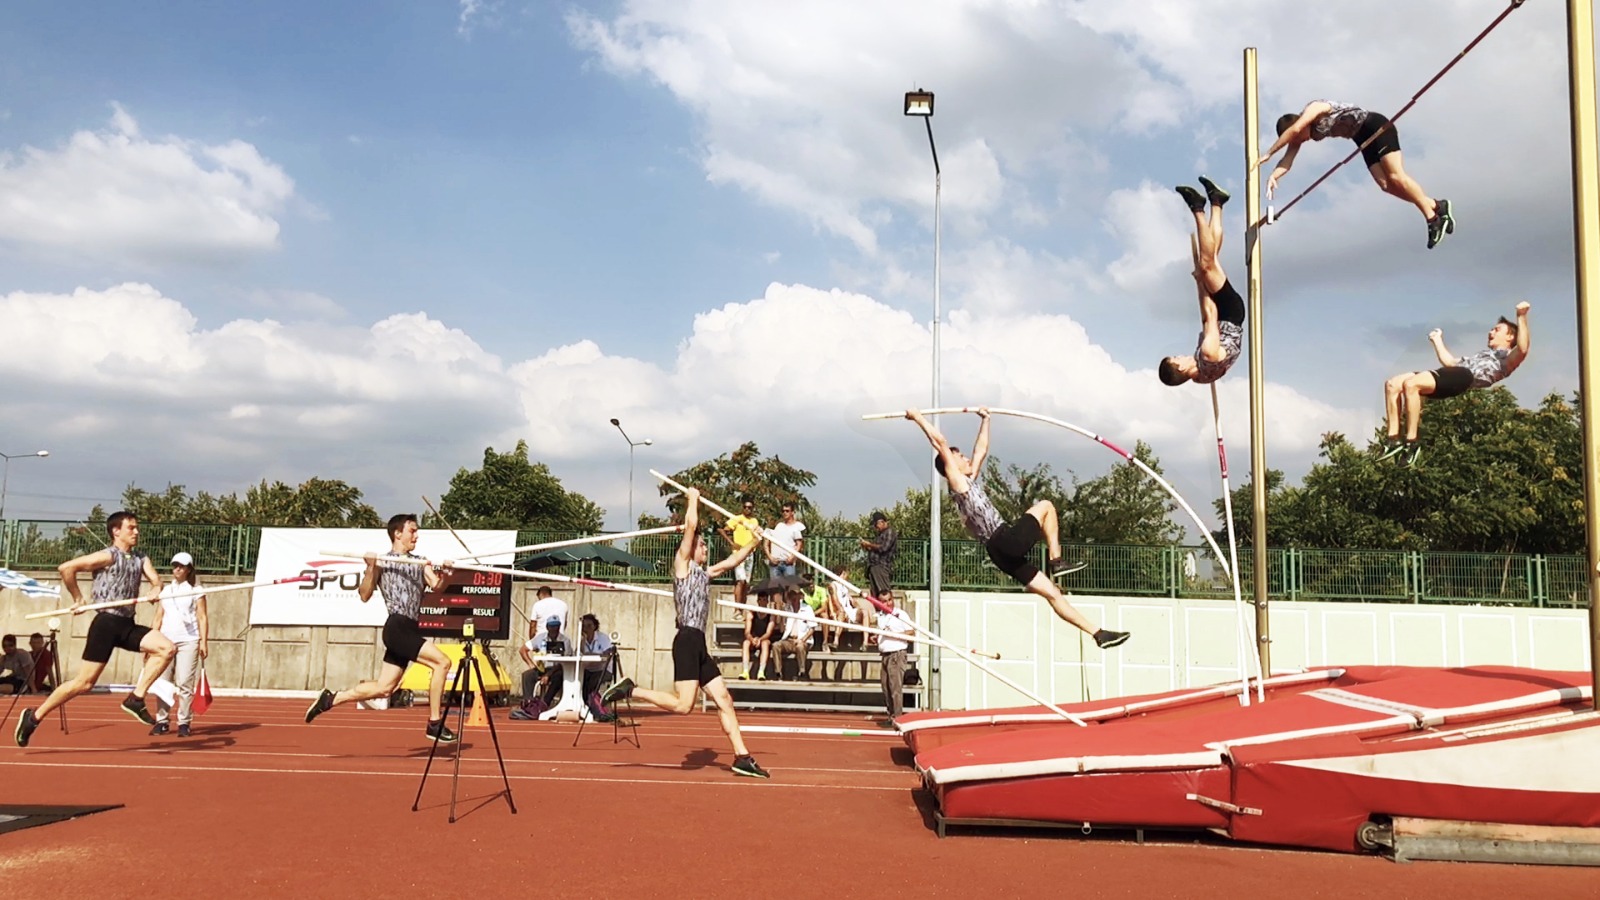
point(1205, 532)
point(1258, 367)
point(573, 542)
point(1586, 238)
point(936, 639)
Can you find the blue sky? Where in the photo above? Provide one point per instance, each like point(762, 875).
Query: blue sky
point(366, 241)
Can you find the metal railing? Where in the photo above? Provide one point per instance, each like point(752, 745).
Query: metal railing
point(1174, 570)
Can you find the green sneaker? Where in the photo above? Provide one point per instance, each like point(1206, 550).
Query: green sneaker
point(27, 723)
point(746, 766)
point(619, 691)
point(1413, 454)
point(1391, 448)
point(1216, 195)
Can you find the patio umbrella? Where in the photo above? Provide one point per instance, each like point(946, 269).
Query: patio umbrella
point(583, 553)
point(777, 584)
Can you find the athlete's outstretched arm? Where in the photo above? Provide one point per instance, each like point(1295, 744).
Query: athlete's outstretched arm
point(1446, 358)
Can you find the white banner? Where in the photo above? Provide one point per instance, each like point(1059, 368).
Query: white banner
point(332, 598)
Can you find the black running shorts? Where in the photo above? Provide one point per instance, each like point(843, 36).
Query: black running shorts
point(1451, 381)
point(402, 640)
point(1011, 548)
point(1387, 143)
point(107, 633)
point(1230, 306)
point(690, 661)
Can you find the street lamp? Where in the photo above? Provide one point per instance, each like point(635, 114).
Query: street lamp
point(920, 103)
point(631, 444)
point(5, 480)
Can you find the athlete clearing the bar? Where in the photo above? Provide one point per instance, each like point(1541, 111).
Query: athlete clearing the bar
point(693, 669)
point(1221, 309)
point(1009, 544)
point(1324, 119)
point(1402, 395)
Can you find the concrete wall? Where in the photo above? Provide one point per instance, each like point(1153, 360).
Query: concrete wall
point(296, 658)
point(1176, 643)
point(1184, 643)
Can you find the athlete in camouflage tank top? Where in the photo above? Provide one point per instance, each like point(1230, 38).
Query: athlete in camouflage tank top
point(977, 511)
point(401, 585)
point(1231, 336)
point(1343, 121)
point(691, 594)
point(1488, 367)
point(118, 581)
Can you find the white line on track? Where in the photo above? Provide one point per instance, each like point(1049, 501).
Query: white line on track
point(494, 776)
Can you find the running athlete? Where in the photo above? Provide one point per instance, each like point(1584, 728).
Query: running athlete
point(1221, 309)
point(1009, 544)
point(117, 569)
point(1380, 150)
point(692, 666)
point(402, 585)
point(1402, 395)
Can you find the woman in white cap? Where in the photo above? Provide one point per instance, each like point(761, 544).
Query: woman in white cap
point(182, 618)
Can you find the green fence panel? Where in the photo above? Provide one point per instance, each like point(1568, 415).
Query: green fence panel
point(1199, 575)
point(1477, 578)
point(1367, 575)
point(1566, 582)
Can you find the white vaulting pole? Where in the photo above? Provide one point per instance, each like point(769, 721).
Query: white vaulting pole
point(198, 592)
point(1242, 636)
point(573, 542)
point(933, 638)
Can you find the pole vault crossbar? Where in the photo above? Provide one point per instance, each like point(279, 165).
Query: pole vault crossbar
point(1271, 216)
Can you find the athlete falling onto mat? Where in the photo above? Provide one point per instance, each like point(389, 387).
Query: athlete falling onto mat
point(1324, 119)
point(1009, 544)
point(1221, 309)
point(1402, 395)
point(118, 570)
point(402, 586)
point(692, 667)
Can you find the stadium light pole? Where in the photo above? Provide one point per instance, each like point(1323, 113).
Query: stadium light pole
point(631, 444)
point(5, 480)
point(920, 103)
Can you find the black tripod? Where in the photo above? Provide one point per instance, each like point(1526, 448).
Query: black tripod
point(458, 690)
point(616, 716)
point(55, 682)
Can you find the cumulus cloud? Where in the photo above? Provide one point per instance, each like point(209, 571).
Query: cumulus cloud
point(117, 195)
point(396, 407)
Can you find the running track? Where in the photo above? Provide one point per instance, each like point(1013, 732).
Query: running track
point(273, 807)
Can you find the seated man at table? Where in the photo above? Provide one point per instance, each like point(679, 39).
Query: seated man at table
point(44, 664)
point(797, 632)
point(594, 642)
point(16, 666)
point(544, 679)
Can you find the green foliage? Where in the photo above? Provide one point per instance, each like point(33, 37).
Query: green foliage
point(318, 502)
point(1493, 478)
point(1123, 506)
point(512, 492)
point(732, 477)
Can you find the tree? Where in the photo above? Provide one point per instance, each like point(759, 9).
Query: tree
point(318, 502)
point(1494, 478)
point(744, 473)
point(1123, 506)
point(511, 491)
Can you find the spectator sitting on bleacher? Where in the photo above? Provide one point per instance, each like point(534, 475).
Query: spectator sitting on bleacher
point(796, 636)
point(44, 664)
point(817, 597)
point(843, 608)
point(16, 666)
point(542, 679)
point(758, 631)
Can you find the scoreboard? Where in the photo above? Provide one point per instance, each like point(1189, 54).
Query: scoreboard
point(482, 598)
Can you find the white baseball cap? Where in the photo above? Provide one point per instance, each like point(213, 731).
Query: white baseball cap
point(182, 559)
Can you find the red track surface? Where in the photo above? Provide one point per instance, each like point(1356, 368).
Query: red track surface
point(277, 808)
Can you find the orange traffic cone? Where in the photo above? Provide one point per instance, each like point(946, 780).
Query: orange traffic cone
point(480, 710)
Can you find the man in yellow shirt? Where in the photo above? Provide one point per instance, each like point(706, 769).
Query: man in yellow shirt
point(738, 531)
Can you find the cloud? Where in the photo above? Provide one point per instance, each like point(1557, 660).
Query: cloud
point(396, 407)
point(118, 196)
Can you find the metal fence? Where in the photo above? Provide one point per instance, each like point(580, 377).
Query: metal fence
point(1293, 573)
